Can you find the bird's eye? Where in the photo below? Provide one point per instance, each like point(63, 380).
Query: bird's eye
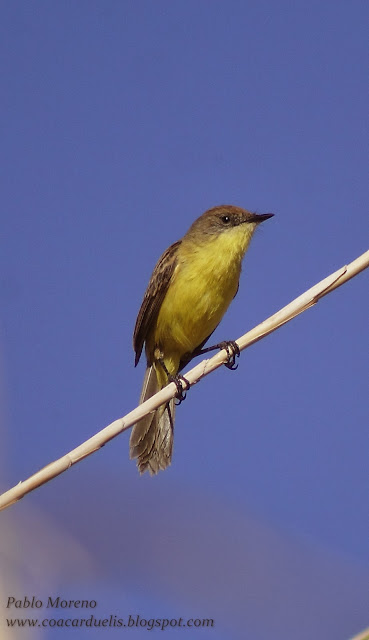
point(225, 219)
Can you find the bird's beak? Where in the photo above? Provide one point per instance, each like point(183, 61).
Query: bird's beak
point(257, 218)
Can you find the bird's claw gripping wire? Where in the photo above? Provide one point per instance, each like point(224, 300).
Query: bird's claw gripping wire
point(178, 380)
point(232, 349)
point(233, 352)
point(181, 392)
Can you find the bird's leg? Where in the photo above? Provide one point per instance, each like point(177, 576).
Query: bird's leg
point(178, 380)
point(231, 348)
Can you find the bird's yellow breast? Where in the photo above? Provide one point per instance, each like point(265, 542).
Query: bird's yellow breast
point(204, 283)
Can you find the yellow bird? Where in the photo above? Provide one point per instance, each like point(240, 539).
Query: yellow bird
point(191, 288)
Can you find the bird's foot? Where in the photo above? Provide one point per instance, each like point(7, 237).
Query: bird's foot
point(181, 391)
point(231, 348)
point(233, 352)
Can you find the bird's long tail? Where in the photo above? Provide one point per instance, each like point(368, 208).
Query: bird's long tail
point(151, 439)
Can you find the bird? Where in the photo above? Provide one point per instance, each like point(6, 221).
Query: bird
point(190, 289)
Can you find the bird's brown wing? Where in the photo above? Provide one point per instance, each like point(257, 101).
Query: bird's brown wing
point(154, 296)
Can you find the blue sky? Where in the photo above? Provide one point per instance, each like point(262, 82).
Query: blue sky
point(121, 123)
